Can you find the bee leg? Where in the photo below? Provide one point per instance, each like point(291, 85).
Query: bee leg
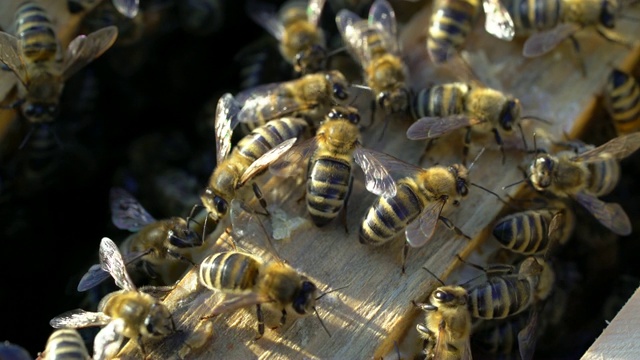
point(260, 322)
point(283, 318)
point(260, 197)
point(405, 254)
point(613, 37)
point(141, 346)
point(576, 48)
point(451, 226)
point(181, 257)
point(426, 149)
point(467, 143)
point(496, 134)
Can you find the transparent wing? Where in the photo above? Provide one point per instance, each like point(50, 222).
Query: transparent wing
point(382, 16)
point(554, 232)
point(95, 275)
point(85, 48)
point(128, 8)
point(265, 160)
point(618, 148)
point(269, 106)
point(527, 337)
point(421, 230)
point(108, 340)
point(314, 11)
point(377, 178)
point(239, 302)
point(126, 212)
point(225, 122)
point(293, 162)
point(498, 22)
point(260, 91)
point(541, 43)
point(10, 56)
point(433, 127)
point(266, 15)
point(79, 318)
point(111, 261)
point(611, 215)
point(397, 167)
point(247, 226)
point(351, 28)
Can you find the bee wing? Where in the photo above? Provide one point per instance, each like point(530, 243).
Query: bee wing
point(128, 8)
point(498, 22)
point(433, 127)
point(351, 27)
point(266, 15)
point(126, 212)
point(79, 318)
point(269, 107)
point(619, 148)
point(314, 11)
point(10, 56)
point(611, 215)
point(245, 224)
point(541, 43)
point(225, 122)
point(554, 232)
point(441, 348)
point(85, 48)
point(527, 337)
point(421, 230)
point(95, 275)
point(265, 160)
point(238, 302)
point(112, 262)
point(382, 16)
point(291, 163)
point(377, 178)
point(108, 340)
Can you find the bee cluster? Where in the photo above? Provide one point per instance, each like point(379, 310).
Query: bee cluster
point(339, 166)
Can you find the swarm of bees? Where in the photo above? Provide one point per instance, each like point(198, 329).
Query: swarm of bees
point(292, 147)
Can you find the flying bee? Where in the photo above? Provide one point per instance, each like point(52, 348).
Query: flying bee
point(443, 108)
point(128, 8)
point(587, 175)
point(163, 247)
point(36, 57)
point(65, 344)
point(622, 99)
point(330, 157)
point(447, 327)
point(373, 43)
point(130, 312)
point(255, 151)
point(452, 20)
point(295, 26)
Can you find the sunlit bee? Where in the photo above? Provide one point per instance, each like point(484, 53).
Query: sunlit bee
point(36, 57)
point(447, 326)
point(128, 8)
point(254, 152)
point(587, 175)
point(65, 344)
point(373, 43)
point(129, 313)
point(329, 159)
point(295, 26)
point(622, 98)
point(444, 108)
point(453, 20)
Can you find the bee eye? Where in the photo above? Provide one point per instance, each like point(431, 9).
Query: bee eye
point(339, 92)
point(507, 117)
point(221, 205)
point(607, 14)
point(462, 188)
point(30, 110)
point(382, 98)
point(333, 114)
point(354, 118)
point(443, 296)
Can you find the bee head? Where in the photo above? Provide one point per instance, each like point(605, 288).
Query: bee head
point(349, 114)
point(460, 173)
point(37, 112)
point(158, 321)
point(214, 203)
point(541, 172)
point(608, 13)
point(394, 102)
point(339, 84)
point(304, 301)
point(510, 114)
point(449, 296)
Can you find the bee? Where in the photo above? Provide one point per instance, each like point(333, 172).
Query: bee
point(532, 232)
point(330, 157)
point(447, 327)
point(163, 247)
point(65, 344)
point(452, 20)
point(249, 157)
point(443, 108)
point(295, 26)
point(585, 176)
point(128, 8)
point(373, 43)
point(129, 312)
point(11, 351)
point(36, 57)
point(622, 99)
point(501, 338)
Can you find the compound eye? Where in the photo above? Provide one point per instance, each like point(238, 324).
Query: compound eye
point(30, 110)
point(354, 118)
point(443, 296)
point(463, 189)
point(333, 114)
point(338, 92)
point(220, 204)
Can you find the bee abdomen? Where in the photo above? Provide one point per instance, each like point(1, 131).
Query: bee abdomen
point(265, 138)
point(524, 233)
point(232, 272)
point(327, 189)
point(533, 15)
point(623, 99)
point(439, 100)
point(35, 32)
point(500, 297)
point(450, 25)
point(66, 344)
point(604, 177)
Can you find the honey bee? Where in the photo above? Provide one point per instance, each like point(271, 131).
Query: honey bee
point(503, 338)
point(65, 344)
point(11, 351)
point(330, 157)
point(130, 312)
point(128, 8)
point(447, 327)
point(295, 26)
point(452, 20)
point(163, 247)
point(249, 157)
point(35, 56)
point(585, 176)
point(443, 108)
point(373, 43)
point(622, 99)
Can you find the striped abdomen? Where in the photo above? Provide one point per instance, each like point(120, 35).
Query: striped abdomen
point(501, 296)
point(534, 15)
point(268, 136)
point(500, 337)
point(525, 232)
point(65, 344)
point(35, 33)
point(604, 177)
point(388, 217)
point(440, 100)
point(231, 272)
point(449, 28)
point(622, 95)
point(328, 186)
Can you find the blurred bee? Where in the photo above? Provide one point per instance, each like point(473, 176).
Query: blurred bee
point(622, 99)
point(65, 344)
point(128, 8)
point(295, 26)
point(373, 43)
point(36, 57)
point(130, 30)
point(585, 176)
point(163, 248)
point(452, 20)
point(130, 312)
point(443, 108)
point(9, 351)
point(249, 157)
point(501, 338)
point(329, 158)
point(201, 17)
point(447, 327)
point(532, 232)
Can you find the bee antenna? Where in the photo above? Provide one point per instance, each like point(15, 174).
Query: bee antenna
point(535, 118)
point(490, 192)
point(476, 159)
point(361, 86)
point(26, 138)
point(434, 275)
point(336, 51)
point(514, 184)
point(321, 322)
point(334, 290)
point(524, 139)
